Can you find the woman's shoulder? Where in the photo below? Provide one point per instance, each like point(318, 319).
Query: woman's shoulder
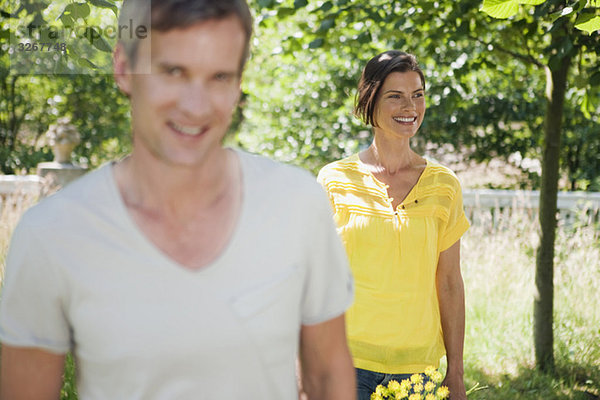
point(441, 174)
point(350, 162)
point(342, 169)
point(437, 168)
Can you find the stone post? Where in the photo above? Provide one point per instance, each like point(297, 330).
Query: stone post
point(63, 137)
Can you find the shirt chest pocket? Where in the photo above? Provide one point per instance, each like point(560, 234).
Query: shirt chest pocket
point(270, 312)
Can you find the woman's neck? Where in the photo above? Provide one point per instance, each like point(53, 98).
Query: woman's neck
point(390, 157)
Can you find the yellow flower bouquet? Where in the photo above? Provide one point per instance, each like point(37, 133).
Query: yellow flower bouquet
point(415, 388)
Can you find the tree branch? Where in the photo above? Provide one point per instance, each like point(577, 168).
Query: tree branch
point(524, 57)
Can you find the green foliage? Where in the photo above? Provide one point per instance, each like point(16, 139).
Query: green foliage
point(101, 113)
point(25, 113)
point(485, 77)
point(331, 42)
point(31, 102)
point(588, 23)
point(581, 153)
point(93, 103)
point(485, 81)
point(587, 20)
point(500, 8)
point(83, 35)
point(69, 389)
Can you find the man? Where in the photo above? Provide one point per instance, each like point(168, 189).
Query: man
point(186, 270)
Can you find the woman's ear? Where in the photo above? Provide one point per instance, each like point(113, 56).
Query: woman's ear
point(122, 69)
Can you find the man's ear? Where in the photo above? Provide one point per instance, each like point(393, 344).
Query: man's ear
point(122, 69)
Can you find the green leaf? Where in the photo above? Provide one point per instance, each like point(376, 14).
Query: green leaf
point(585, 107)
point(328, 5)
point(300, 3)
point(104, 4)
point(326, 25)
point(66, 20)
point(595, 79)
point(315, 44)
point(38, 20)
point(588, 23)
point(364, 37)
point(77, 10)
point(61, 67)
point(94, 37)
point(266, 3)
point(376, 15)
point(500, 8)
point(284, 12)
point(84, 62)
point(293, 45)
point(531, 2)
point(562, 13)
point(35, 6)
point(580, 5)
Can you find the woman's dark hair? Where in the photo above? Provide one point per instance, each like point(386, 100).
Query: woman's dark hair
point(373, 76)
point(164, 15)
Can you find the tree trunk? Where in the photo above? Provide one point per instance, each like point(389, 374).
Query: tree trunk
point(556, 84)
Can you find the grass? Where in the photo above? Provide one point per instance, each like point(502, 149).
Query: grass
point(498, 262)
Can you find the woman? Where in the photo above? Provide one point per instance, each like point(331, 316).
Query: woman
point(401, 218)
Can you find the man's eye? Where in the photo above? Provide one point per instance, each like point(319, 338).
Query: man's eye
point(174, 71)
point(224, 77)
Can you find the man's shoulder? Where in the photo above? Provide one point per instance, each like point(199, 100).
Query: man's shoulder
point(66, 203)
point(260, 169)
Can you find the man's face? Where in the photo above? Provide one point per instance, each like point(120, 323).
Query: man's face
point(182, 109)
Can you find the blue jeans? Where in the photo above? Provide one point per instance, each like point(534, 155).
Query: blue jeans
point(367, 381)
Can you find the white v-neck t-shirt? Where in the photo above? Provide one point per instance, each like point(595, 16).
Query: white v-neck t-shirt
point(81, 277)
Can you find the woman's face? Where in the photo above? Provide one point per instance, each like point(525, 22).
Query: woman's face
point(400, 106)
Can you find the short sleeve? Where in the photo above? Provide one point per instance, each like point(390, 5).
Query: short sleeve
point(457, 220)
point(329, 289)
point(322, 181)
point(31, 305)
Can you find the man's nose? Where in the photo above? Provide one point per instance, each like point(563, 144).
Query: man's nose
point(195, 100)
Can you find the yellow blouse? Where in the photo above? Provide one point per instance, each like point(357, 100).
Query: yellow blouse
point(394, 324)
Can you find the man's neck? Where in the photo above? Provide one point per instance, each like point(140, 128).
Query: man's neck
point(173, 190)
point(189, 214)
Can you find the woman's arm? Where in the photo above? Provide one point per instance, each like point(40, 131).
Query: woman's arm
point(451, 297)
point(30, 374)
